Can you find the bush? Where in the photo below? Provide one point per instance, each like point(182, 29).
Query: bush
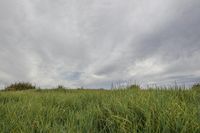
point(196, 86)
point(60, 87)
point(134, 86)
point(20, 86)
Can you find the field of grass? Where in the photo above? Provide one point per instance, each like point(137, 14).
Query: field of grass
point(93, 111)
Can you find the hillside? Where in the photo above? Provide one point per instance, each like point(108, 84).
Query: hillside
point(100, 111)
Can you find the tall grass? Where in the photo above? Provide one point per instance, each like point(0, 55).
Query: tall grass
point(116, 111)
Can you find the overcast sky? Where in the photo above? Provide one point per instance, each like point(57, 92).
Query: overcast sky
point(92, 43)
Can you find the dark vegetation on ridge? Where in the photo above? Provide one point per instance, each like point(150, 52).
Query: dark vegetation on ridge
point(20, 86)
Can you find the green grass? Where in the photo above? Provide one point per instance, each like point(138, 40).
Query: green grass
point(77, 111)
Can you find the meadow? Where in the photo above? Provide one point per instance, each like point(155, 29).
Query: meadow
point(100, 111)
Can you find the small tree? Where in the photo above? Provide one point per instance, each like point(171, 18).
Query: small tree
point(196, 86)
point(20, 86)
point(134, 86)
point(60, 87)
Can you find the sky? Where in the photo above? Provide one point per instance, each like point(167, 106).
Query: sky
point(92, 43)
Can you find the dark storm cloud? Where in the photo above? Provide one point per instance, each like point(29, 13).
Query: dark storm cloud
point(93, 43)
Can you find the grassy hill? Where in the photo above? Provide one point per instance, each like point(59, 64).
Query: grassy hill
point(77, 111)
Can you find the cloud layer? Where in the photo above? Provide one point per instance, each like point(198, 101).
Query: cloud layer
point(92, 43)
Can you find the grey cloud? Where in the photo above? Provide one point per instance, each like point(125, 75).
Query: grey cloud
point(92, 43)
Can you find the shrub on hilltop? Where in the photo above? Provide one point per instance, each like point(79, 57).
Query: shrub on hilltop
point(134, 86)
point(196, 86)
point(20, 86)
